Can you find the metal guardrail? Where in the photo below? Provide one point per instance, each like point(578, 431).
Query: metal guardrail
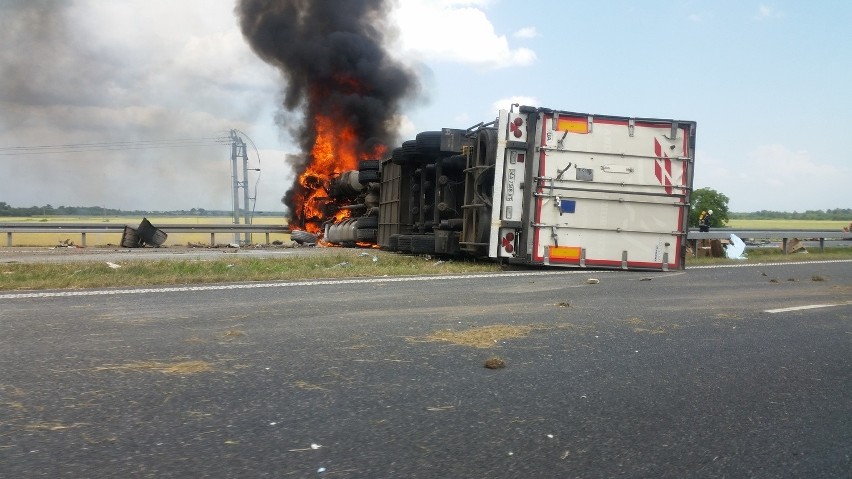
point(83, 228)
point(97, 228)
point(783, 235)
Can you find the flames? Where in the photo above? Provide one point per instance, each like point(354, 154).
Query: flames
point(337, 148)
point(334, 152)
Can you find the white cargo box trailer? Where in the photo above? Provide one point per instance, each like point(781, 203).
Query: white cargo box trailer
point(581, 190)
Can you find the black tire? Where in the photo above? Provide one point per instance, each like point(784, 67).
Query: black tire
point(393, 243)
point(368, 176)
point(397, 156)
point(429, 142)
point(423, 244)
point(367, 222)
point(368, 165)
point(366, 234)
point(403, 244)
point(409, 153)
point(303, 237)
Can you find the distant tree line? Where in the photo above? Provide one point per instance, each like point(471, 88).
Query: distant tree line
point(841, 214)
point(48, 210)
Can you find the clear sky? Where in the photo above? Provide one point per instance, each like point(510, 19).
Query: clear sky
point(767, 81)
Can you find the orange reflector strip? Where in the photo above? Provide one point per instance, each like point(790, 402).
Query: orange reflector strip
point(565, 252)
point(573, 125)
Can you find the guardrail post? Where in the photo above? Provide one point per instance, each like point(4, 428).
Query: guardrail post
point(212, 239)
point(267, 238)
point(9, 239)
point(784, 245)
point(822, 245)
point(84, 239)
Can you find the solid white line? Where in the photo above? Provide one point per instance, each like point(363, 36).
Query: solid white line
point(289, 284)
point(219, 287)
point(800, 308)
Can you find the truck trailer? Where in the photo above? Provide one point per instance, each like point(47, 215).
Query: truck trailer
point(535, 186)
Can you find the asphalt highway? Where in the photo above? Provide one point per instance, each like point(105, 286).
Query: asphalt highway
point(709, 373)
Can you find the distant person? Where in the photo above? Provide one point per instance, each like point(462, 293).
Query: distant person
point(704, 221)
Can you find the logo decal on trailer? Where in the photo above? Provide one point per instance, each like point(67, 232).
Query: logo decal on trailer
point(663, 167)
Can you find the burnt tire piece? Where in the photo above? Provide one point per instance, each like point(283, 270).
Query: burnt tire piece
point(303, 237)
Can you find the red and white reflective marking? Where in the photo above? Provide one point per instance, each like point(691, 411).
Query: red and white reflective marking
point(508, 242)
point(663, 167)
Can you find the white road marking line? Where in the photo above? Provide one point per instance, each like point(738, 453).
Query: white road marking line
point(801, 308)
point(288, 284)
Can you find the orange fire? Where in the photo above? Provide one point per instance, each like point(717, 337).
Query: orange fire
point(335, 150)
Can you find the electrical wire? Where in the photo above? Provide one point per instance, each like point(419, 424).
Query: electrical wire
point(111, 146)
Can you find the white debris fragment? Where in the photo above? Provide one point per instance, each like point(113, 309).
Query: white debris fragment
point(315, 446)
point(375, 258)
point(321, 470)
point(735, 249)
point(273, 423)
point(550, 436)
point(113, 265)
point(592, 281)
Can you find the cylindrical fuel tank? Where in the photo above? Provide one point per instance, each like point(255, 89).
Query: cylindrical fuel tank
point(341, 232)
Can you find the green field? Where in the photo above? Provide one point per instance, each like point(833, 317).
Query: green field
point(819, 225)
point(113, 239)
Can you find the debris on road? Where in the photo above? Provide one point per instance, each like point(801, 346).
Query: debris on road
point(495, 363)
point(482, 337)
point(736, 248)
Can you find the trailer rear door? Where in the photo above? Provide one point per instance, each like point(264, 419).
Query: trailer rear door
point(610, 191)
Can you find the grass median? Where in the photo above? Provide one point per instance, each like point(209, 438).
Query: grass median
point(344, 264)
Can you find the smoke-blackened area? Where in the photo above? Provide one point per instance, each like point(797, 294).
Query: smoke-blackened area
point(136, 78)
point(339, 75)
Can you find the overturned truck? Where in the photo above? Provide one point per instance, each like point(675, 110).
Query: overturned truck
point(535, 186)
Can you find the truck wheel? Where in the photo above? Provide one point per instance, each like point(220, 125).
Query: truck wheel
point(397, 156)
point(429, 142)
point(368, 165)
point(303, 237)
point(367, 222)
point(403, 243)
point(368, 176)
point(393, 242)
point(366, 234)
point(410, 153)
point(423, 244)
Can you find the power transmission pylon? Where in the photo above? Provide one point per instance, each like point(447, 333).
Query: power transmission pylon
point(238, 150)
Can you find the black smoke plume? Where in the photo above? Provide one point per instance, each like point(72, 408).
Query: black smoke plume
point(332, 56)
